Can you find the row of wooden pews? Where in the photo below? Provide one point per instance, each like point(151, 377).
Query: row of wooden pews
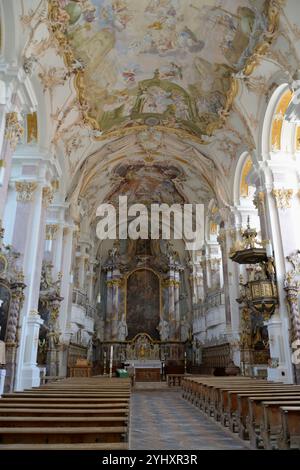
point(266, 413)
point(72, 414)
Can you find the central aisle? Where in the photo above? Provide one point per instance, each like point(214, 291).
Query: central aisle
point(163, 420)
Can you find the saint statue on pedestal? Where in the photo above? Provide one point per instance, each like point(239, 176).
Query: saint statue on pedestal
point(122, 329)
point(185, 329)
point(163, 329)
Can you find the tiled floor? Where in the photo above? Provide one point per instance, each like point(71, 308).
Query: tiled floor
point(163, 420)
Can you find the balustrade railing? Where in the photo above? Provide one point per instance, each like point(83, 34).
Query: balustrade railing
point(81, 299)
point(174, 380)
point(212, 300)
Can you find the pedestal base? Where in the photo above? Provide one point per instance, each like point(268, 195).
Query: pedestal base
point(279, 374)
point(30, 377)
point(2, 380)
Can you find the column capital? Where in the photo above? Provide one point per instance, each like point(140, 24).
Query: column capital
point(13, 129)
point(282, 197)
point(25, 190)
point(48, 196)
point(51, 230)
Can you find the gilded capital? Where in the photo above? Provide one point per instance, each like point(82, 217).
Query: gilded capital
point(282, 197)
point(48, 196)
point(51, 230)
point(13, 129)
point(25, 190)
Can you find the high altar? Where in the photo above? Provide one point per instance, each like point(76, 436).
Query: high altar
point(142, 313)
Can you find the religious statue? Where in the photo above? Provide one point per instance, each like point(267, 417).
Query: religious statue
point(270, 269)
point(258, 273)
point(184, 329)
point(42, 351)
point(122, 329)
point(163, 329)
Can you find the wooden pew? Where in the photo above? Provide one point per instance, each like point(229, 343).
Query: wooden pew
point(242, 414)
point(85, 395)
point(227, 399)
point(289, 437)
point(109, 446)
point(235, 415)
point(224, 398)
point(196, 389)
point(73, 413)
point(45, 400)
point(256, 411)
point(84, 405)
point(55, 421)
point(206, 393)
point(271, 424)
point(62, 435)
point(67, 412)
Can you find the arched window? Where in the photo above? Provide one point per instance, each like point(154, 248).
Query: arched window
point(278, 119)
point(245, 190)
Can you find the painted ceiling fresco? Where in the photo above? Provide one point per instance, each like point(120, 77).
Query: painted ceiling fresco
point(158, 62)
point(147, 184)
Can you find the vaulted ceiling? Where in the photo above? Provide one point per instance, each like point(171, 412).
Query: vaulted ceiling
point(126, 83)
point(158, 61)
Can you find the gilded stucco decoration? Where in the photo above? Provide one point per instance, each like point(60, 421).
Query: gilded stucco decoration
point(244, 186)
point(160, 62)
point(25, 190)
point(283, 197)
point(13, 129)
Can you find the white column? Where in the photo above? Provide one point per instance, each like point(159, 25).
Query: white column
point(33, 238)
point(57, 251)
point(2, 380)
point(279, 210)
point(66, 282)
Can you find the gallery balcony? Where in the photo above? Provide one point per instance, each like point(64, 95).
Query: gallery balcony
point(83, 313)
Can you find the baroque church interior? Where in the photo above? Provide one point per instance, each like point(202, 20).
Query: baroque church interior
point(164, 102)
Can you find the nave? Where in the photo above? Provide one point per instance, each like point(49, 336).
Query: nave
point(162, 420)
point(204, 413)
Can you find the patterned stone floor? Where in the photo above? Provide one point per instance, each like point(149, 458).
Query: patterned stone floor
point(162, 420)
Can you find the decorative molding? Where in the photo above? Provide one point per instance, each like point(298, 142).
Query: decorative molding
point(48, 196)
point(14, 130)
point(25, 190)
point(33, 313)
point(58, 21)
point(294, 259)
point(51, 230)
point(282, 197)
point(170, 283)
